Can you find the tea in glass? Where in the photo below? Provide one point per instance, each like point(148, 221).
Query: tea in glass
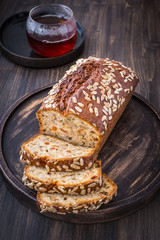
point(51, 30)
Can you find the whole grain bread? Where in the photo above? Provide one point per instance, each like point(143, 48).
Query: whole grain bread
point(77, 182)
point(62, 204)
point(56, 155)
point(85, 105)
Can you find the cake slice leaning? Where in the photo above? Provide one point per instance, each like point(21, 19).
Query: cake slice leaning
point(56, 155)
point(78, 182)
point(62, 204)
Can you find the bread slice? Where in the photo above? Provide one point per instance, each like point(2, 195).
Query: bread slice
point(85, 105)
point(62, 204)
point(56, 154)
point(78, 182)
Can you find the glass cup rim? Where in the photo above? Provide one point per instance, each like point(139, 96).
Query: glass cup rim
point(47, 5)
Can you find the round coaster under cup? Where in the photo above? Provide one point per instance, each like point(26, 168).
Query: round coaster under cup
point(14, 44)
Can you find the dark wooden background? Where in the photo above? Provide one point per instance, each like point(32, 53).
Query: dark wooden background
point(127, 31)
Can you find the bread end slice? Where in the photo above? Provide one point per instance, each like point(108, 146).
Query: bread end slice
point(62, 204)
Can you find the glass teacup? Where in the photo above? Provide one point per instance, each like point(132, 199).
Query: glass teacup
point(51, 30)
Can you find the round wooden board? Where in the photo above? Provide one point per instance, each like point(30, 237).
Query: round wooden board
point(130, 157)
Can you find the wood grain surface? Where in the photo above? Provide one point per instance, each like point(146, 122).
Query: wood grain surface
point(127, 31)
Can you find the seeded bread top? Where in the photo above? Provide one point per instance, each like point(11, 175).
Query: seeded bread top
point(94, 89)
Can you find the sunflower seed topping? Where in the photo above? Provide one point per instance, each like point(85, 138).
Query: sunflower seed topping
point(91, 110)
point(96, 111)
point(78, 109)
point(80, 104)
point(74, 99)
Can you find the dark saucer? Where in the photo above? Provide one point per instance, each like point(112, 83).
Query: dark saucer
point(14, 45)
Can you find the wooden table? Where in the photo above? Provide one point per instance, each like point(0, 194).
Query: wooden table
point(127, 31)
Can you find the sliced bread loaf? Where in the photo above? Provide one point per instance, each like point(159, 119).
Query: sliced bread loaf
point(62, 204)
point(78, 182)
point(85, 105)
point(56, 155)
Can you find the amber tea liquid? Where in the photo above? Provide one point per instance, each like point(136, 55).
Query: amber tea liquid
point(54, 47)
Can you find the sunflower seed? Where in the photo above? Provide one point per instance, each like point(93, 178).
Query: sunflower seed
point(59, 168)
point(74, 189)
point(75, 211)
point(74, 99)
point(65, 166)
point(90, 165)
point(92, 185)
point(91, 110)
point(78, 109)
point(80, 104)
point(47, 168)
point(74, 166)
point(81, 162)
point(42, 189)
point(96, 111)
point(83, 192)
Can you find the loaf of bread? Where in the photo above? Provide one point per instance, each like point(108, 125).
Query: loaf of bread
point(87, 102)
point(75, 120)
point(62, 204)
point(56, 155)
point(77, 182)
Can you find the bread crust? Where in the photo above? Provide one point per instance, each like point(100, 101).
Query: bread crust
point(112, 124)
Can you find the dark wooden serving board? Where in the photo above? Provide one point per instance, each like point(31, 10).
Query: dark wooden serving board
point(130, 157)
